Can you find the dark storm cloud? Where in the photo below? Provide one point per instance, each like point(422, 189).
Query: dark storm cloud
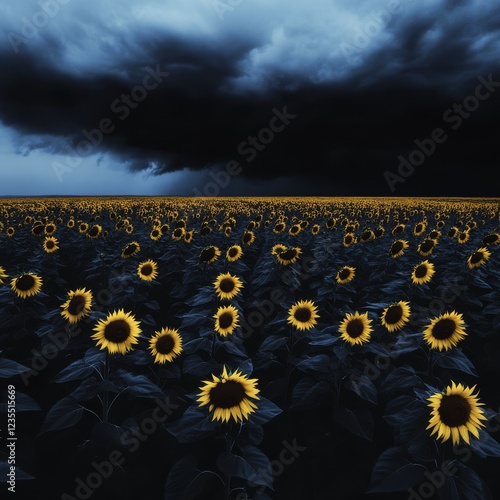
point(281, 99)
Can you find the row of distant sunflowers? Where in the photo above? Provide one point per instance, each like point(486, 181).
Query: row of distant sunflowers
point(248, 313)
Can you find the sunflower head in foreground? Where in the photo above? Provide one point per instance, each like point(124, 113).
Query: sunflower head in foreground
point(26, 285)
point(50, 244)
point(355, 328)
point(395, 316)
point(288, 256)
point(77, 306)
point(229, 396)
point(117, 332)
point(130, 249)
point(166, 345)
point(455, 413)
point(398, 248)
point(233, 253)
point(227, 286)
point(209, 254)
point(226, 320)
point(345, 274)
point(278, 248)
point(3, 275)
point(422, 273)
point(445, 331)
point(303, 315)
point(147, 270)
point(478, 258)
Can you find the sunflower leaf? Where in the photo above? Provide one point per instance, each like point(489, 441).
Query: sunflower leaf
point(359, 422)
point(463, 483)
point(137, 385)
point(455, 359)
point(65, 413)
point(486, 445)
point(79, 369)
point(363, 387)
point(10, 368)
point(180, 476)
point(234, 465)
point(393, 471)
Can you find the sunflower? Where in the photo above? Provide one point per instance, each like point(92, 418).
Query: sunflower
point(117, 332)
point(233, 253)
point(355, 328)
point(491, 239)
point(50, 229)
point(229, 396)
point(147, 270)
point(419, 228)
point(289, 256)
point(26, 285)
point(278, 248)
point(50, 244)
point(209, 254)
point(71, 223)
point(3, 274)
point(367, 235)
point(395, 316)
point(463, 237)
point(279, 227)
point(130, 249)
point(445, 331)
point(188, 237)
point(248, 237)
point(303, 315)
point(178, 233)
point(37, 229)
point(295, 230)
point(455, 412)
point(349, 239)
point(10, 231)
point(426, 247)
point(345, 274)
point(155, 234)
point(83, 227)
point(227, 286)
point(94, 231)
point(77, 306)
point(315, 229)
point(422, 273)
point(226, 320)
point(398, 248)
point(165, 345)
point(478, 258)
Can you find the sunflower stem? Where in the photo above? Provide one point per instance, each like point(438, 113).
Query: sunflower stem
point(105, 396)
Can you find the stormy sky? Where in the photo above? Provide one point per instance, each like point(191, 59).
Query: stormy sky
point(249, 97)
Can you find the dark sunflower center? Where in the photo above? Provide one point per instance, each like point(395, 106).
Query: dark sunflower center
point(227, 394)
point(355, 328)
point(302, 314)
point(348, 239)
point(147, 270)
point(165, 344)
point(344, 274)
point(444, 329)
point(117, 331)
point(155, 233)
point(393, 314)
point(398, 229)
point(490, 238)
point(476, 257)
point(227, 285)
point(279, 227)
point(49, 229)
point(94, 231)
point(233, 252)
point(247, 237)
point(130, 249)
point(452, 232)
point(38, 230)
point(462, 236)
point(454, 410)
point(50, 244)
point(25, 282)
point(418, 228)
point(225, 320)
point(426, 245)
point(178, 232)
point(294, 229)
point(366, 235)
point(396, 247)
point(76, 304)
point(288, 254)
point(433, 234)
point(421, 271)
point(207, 254)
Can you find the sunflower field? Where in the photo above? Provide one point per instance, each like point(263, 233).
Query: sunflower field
point(250, 348)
